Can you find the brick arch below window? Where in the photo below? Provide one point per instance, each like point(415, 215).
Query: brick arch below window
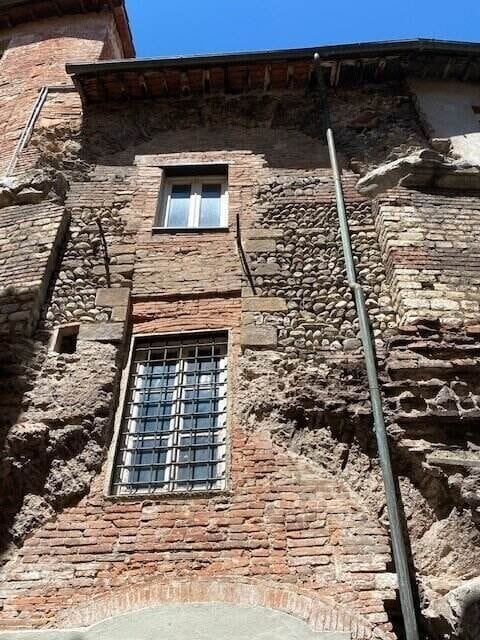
point(321, 614)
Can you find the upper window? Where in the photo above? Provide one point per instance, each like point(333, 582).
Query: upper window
point(173, 427)
point(194, 203)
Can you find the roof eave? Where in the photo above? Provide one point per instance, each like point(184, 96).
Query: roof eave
point(365, 49)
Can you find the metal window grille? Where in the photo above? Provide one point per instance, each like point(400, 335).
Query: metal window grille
point(173, 426)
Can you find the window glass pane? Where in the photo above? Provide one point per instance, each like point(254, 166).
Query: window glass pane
point(210, 205)
point(179, 205)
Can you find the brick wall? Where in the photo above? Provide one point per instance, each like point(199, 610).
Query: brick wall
point(30, 239)
point(430, 246)
point(183, 263)
point(32, 233)
point(279, 522)
point(35, 57)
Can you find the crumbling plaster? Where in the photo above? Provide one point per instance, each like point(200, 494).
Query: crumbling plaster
point(445, 108)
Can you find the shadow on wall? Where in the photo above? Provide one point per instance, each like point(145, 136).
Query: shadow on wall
point(192, 621)
point(287, 132)
point(22, 470)
point(371, 124)
point(53, 441)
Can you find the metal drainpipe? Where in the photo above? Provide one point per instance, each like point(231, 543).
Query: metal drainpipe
point(397, 538)
point(30, 124)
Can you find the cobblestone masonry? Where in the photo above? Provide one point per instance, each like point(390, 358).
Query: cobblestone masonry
point(303, 264)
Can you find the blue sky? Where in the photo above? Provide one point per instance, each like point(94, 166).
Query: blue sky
point(176, 27)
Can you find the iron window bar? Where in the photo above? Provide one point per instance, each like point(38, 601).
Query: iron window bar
point(173, 429)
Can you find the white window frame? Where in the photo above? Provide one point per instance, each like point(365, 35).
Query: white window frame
point(195, 183)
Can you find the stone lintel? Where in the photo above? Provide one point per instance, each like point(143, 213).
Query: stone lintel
point(102, 332)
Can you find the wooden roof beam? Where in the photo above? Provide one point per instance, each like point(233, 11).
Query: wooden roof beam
point(206, 86)
point(185, 83)
point(267, 78)
point(144, 85)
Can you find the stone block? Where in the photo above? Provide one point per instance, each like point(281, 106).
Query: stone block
point(102, 332)
point(267, 269)
point(258, 234)
point(119, 314)
point(473, 330)
point(248, 318)
point(447, 459)
point(117, 297)
point(259, 336)
point(258, 303)
point(442, 304)
point(257, 246)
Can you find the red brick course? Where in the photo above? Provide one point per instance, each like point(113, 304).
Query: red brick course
point(35, 57)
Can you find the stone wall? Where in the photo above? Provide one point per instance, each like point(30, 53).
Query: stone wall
point(304, 510)
point(304, 265)
point(100, 205)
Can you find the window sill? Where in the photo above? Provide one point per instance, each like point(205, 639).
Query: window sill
point(171, 495)
point(174, 230)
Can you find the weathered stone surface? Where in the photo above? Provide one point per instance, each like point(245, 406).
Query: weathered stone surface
point(264, 304)
point(117, 297)
point(425, 168)
point(102, 332)
point(457, 613)
point(258, 336)
point(32, 187)
point(51, 454)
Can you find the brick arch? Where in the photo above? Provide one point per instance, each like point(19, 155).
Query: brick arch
point(320, 613)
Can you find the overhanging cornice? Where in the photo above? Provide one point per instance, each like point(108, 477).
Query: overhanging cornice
point(348, 64)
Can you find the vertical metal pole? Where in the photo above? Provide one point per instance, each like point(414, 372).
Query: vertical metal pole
point(30, 124)
point(398, 542)
point(27, 130)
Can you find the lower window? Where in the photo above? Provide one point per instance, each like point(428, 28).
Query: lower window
point(174, 420)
